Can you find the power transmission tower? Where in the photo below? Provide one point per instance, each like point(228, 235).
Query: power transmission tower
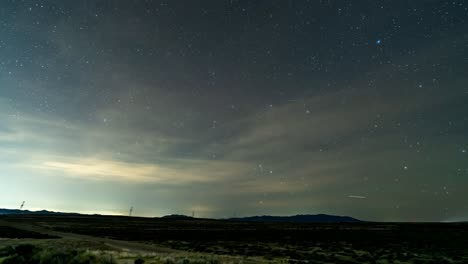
point(131, 211)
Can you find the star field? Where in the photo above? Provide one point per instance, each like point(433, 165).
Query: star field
point(238, 107)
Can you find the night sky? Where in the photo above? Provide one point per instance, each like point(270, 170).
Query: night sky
point(236, 108)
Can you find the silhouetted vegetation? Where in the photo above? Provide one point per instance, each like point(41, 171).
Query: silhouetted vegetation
point(30, 254)
point(345, 243)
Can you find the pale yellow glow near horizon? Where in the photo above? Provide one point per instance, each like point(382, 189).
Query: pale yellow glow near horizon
point(186, 171)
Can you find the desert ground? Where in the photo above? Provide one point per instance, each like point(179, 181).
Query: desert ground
point(114, 239)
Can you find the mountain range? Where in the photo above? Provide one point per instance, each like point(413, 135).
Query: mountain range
point(319, 218)
point(27, 212)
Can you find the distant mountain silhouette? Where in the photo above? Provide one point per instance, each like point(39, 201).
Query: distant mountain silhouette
point(319, 218)
point(176, 216)
point(27, 212)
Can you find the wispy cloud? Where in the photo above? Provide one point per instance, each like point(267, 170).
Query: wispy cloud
point(184, 172)
point(357, 196)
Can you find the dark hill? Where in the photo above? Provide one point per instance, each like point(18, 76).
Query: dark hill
point(27, 212)
point(319, 218)
point(177, 217)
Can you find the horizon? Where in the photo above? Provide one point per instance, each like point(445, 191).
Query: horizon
point(236, 107)
point(229, 217)
point(145, 215)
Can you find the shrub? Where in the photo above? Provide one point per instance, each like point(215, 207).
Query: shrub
point(30, 254)
point(139, 261)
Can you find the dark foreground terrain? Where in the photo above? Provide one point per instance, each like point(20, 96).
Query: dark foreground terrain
point(266, 242)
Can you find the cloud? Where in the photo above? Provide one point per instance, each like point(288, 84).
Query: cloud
point(96, 169)
point(310, 150)
point(357, 196)
point(325, 117)
point(7, 135)
point(288, 139)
